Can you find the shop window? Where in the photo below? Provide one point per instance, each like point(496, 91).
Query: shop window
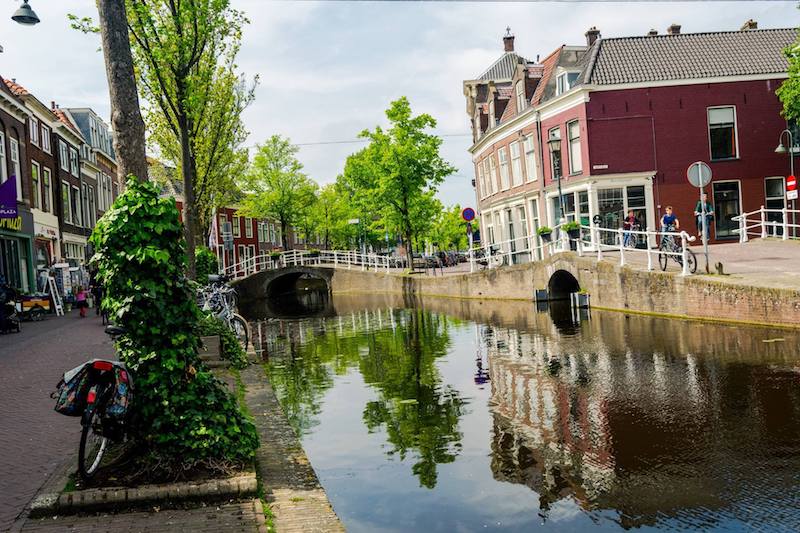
point(722, 132)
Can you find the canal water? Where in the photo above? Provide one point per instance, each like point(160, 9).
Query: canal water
point(447, 415)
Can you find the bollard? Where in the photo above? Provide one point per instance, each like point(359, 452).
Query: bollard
point(684, 253)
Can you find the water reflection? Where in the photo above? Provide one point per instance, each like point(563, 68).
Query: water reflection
point(606, 421)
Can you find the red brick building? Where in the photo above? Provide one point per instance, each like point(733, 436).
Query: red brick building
point(630, 115)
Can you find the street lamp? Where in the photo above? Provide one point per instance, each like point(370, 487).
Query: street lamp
point(781, 149)
point(25, 15)
point(555, 158)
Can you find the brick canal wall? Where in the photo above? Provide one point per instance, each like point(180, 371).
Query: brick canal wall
point(610, 287)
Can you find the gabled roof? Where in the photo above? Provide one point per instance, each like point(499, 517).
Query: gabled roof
point(549, 63)
point(16, 88)
point(503, 68)
point(64, 119)
point(27, 96)
point(690, 56)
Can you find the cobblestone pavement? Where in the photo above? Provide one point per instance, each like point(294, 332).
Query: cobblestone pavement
point(229, 517)
point(34, 439)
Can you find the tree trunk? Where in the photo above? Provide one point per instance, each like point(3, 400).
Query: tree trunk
point(409, 250)
point(189, 207)
point(284, 236)
point(126, 118)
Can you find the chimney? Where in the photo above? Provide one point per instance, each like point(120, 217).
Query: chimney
point(652, 32)
point(52, 104)
point(592, 35)
point(508, 41)
point(674, 29)
point(749, 25)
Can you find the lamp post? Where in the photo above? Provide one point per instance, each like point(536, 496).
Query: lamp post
point(555, 158)
point(781, 149)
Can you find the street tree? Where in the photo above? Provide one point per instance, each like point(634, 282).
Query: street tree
point(401, 168)
point(789, 90)
point(449, 230)
point(275, 186)
point(184, 55)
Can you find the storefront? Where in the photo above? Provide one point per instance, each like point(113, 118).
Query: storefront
point(45, 248)
point(16, 251)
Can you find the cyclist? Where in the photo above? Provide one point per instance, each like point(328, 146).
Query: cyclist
point(669, 222)
point(629, 224)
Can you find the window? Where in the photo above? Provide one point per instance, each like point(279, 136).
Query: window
point(237, 228)
point(520, 89)
point(566, 81)
point(45, 138)
point(92, 215)
point(33, 125)
point(272, 233)
point(479, 178)
point(516, 164)
point(722, 132)
point(63, 155)
point(15, 166)
point(73, 162)
point(248, 227)
point(37, 186)
point(87, 216)
point(535, 225)
point(555, 156)
point(775, 199)
point(47, 197)
point(488, 171)
point(251, 251)
point(242, 253)
point(65, 205)
point(574, 134)
point(75, 206)
point(726, 198)
point(3, 168)
point(530, 159)
point(523, 226)
point(503, 155)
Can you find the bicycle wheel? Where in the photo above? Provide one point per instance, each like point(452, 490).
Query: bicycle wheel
point(662, 260)
point(239, 327)
point(692, 260)
point(92, 447)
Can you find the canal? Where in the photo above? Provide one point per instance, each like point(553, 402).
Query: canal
point(448, 415)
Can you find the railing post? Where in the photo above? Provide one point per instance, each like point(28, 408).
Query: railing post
point(743, 228)
point(579, 243)
point(599, 244)
point(649, 250)
point(763, 224)
point(363, 268)
point(489, 255)
point(621, 238)
point(785, 235)
point(564, 240)
point(684, 254)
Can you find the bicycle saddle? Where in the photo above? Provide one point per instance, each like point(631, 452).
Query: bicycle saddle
point(115, 331)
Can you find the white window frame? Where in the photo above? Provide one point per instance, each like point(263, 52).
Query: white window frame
point(488, 172)
point(66, 203)
point(3, 163)
point(248, 227)
point(15, 163)
point(33, 124)
point(237, 226)
point(481, 184)
point(505, 182)
point(77, 215)
point(46, 139)
point(92, 207)
point(36, 185)
point(520, 92)
point(74, 167)
point(530, 158)
point(517, 178)
point(63, 155)
point(47, 185)
point(735, 132)
point(574, 152)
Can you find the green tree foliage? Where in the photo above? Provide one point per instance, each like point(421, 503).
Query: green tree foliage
point(207, 263)
point(184, 53)
point(231, 349)
point(185, 415)
point(789, 91)
point(449, 230)
point(276, 186)
point(400, 170)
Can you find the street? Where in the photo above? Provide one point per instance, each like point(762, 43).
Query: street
point(34, 438)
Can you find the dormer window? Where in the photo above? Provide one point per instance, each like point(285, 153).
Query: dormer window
point(566, 81)
point(521, 102)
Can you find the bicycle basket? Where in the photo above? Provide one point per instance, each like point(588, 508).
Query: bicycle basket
point(72, 391)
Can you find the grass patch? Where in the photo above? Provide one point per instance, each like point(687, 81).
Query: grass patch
point(70, 486)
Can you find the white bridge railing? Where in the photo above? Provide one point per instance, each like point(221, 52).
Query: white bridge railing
point(587, 240)
point(763, 223)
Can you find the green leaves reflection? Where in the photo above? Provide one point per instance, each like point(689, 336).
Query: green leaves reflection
point(396, 352)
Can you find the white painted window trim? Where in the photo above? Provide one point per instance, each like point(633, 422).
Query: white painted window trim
point(33, 125)
point(572, 169)
point(505, 181)
point(517, 178)
point(49, 173)
point(45, 136)
point(14, 156)
point(735, 131)
point(530, 164)
point(36, 193)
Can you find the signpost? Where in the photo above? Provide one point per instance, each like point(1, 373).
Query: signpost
point(699, 175)
point(791, 194)
point(468, 214)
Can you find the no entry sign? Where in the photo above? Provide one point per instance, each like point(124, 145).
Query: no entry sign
point(791, 188)
point(468, 214)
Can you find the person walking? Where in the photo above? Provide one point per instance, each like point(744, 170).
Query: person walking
point(629, 224)
point(698, 214)
point(80, 301)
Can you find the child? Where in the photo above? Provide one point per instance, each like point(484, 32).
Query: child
point(80, 301)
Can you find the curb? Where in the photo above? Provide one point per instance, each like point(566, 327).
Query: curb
point(121, 497)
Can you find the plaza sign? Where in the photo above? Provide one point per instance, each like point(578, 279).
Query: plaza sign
point(8, 199)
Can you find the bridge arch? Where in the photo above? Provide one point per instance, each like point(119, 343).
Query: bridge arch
point(561, 284)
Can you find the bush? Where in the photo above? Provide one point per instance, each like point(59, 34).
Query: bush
point(184, 415)
point(205, 263)
point(231, 349)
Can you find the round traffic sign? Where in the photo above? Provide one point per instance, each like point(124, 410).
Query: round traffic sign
point(791, 183)
point(468, 214)
point(699, 174)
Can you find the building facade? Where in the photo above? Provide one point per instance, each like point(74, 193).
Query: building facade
point(618, 136)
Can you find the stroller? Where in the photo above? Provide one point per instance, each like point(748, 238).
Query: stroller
point(9, 317)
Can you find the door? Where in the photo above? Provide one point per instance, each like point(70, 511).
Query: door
point(726, 206)
point(775, 199)
point(610, 207)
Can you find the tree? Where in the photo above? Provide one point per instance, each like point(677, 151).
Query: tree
point(126, 118)
point(401, 168)
point(327, 214)
point(276, 187)
point(184, 53)
point(789, 91)
point(449, 231)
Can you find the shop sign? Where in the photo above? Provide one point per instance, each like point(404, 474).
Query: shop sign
point(22, 223)
point(8, 199)
point(43, 230)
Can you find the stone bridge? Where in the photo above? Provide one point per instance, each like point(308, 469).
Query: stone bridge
point(609, 285)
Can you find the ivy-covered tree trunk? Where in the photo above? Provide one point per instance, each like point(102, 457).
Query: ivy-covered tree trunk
point(185, 416)
point(126, 117)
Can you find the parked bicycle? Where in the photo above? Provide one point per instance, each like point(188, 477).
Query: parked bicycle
point(220, 300)
point(671, 247)
point(493, 259)
point(101, 393)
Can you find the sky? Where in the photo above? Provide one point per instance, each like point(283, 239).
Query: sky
point(328, 70)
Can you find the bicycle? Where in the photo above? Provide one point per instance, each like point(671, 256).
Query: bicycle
point(630, 238)
point(101, 393)
point(220, 300)
point(669, 247)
